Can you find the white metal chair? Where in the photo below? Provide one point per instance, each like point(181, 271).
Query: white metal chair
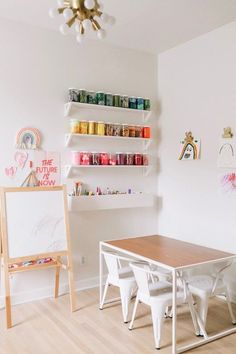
point(206, 286)
point(157, 295)
point(122, 277)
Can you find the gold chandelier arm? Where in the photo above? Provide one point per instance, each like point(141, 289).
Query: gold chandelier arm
point(61, 9)
point(95, 24)
point(71, 21)
point(81, 28)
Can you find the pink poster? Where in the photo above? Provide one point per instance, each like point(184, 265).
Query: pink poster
point(47, 168)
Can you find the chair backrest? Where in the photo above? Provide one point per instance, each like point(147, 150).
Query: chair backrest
point(141, 274)
point(219, 270)
point(112, 263)
point(222, 267)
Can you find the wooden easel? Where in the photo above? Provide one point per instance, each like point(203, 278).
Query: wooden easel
point(56, 262)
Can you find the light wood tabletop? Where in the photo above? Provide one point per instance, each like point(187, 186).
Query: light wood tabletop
point(171, 252)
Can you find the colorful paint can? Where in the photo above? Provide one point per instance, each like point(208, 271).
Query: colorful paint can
point(73, 95)
point(101, 98)
point(120, 158)
point(125, 102)
point(138, 131)
point(125, 130)
point(100, 128)
point(85, 158)
point(109, 129)
point(147, 104)
point(91, 97)
point(74, 126)
point(146, 132)
point(132, 131)
point(129, 160)
point(116, 100)
point(133, 102)
point(138, 159)
point(117, 129)
point(112, 159)
point(75, 158)
point(91, 127)
point(82, 96)
point(122, 98)
point(109, 99)
point(83, 128)
point(140, 103)
point(104, 158)
point(95, 158)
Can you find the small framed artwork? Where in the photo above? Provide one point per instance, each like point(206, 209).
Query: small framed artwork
point(189, 147)
point(28, 138)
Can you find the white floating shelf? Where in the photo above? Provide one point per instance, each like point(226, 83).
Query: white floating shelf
point(69, 168)
point(105, 202)
point(73, 107)
point(69, 137)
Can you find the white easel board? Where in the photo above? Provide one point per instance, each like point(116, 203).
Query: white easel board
point(35, 222)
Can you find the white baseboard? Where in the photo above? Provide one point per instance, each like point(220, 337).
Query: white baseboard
point(42, 293)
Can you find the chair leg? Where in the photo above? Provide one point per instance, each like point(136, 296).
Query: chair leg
point(134, 292)
point(167, 312)
point(125, 295)
point(104, 294)
point(134, 313)
point(158, 313)
point(202, 306)
point(193, 314)
point(170, 313)
point(230, 306)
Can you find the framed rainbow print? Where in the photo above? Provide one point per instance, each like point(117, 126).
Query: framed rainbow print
point(28, 138)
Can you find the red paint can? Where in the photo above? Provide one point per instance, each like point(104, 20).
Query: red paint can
point(138, 159)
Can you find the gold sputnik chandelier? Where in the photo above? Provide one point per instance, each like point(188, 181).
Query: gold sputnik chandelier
point(84, 15)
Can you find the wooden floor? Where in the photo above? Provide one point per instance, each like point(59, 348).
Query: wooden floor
point(48, 327)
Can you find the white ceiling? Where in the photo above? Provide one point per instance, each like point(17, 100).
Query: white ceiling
point(149, 25)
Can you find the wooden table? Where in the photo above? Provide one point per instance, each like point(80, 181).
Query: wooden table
point(173, 255)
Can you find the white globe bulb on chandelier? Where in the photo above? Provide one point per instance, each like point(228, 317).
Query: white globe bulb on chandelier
point(84, 15)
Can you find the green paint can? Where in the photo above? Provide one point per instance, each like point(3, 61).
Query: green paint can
point(140, 103)
point(101, 98)
point(73, 95)
point(82, 96)
point(125, 102)
point(133, 102)
point(147, 104)
point(109, 99)
point(116, 100)
point(91, 97)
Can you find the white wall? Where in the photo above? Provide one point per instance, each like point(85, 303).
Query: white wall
point(36, 68)
point(197, 93)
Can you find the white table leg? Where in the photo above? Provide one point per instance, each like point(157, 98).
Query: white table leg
point(100, 275)
point(174, 318)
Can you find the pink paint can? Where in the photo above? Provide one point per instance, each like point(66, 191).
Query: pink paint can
point(104, 158)
point(75, 157)
point(85, 158)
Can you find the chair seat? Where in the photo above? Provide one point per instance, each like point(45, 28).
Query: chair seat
point(159, 287)
point(165, 297)
point(125, 272)
point(204, 284)
point(160, 292)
